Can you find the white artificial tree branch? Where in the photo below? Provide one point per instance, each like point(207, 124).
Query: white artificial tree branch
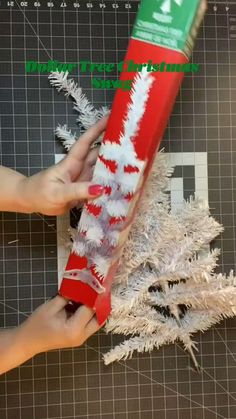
point(88, 115)
point(66, 136)
point(166, 288)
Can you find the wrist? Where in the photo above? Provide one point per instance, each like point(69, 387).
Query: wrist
point(13, 191)
point(26, 341)
point(24, 202)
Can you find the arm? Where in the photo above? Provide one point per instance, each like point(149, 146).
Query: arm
point(49, 327)
point(13, 351)
point(52, 192)
point(11, 191)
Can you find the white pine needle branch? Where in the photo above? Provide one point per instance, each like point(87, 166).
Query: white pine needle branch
point(88, 115)
point(66, 136)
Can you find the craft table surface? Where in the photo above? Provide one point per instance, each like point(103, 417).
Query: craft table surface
point(201, 139)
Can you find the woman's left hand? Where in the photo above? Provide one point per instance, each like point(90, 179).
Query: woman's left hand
point(57, 189)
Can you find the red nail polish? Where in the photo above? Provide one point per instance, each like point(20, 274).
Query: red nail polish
point(95, 190)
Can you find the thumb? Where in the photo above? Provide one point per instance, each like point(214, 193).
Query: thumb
point(80, 191)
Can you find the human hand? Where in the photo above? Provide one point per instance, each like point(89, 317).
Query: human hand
point(50, 327)
point(56, 190)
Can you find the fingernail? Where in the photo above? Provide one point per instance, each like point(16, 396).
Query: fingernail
point(95, 190)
